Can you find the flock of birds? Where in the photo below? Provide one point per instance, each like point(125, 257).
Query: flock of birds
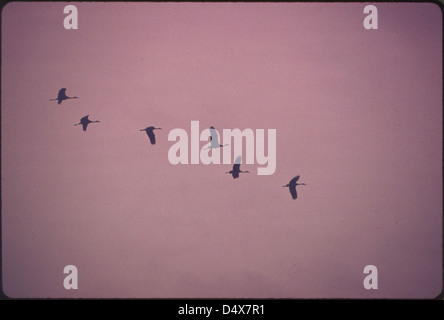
point(214, 143)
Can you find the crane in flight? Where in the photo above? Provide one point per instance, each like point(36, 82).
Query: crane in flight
point(236, 168)
point(214, 140)
point(292, 186)
point(150, 133)
point(84, 122)
point(62, 96)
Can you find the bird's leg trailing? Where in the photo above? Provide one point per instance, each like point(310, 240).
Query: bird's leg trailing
point(187, 149)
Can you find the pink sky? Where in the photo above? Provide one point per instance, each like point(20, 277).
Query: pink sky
point(358, 115)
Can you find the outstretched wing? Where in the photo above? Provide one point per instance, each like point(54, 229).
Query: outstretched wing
point(294, 180)
point(84, 121)
point(236, 171)
point(151, 135)
point(293, 192)
point(61, 96)
point(214, 137)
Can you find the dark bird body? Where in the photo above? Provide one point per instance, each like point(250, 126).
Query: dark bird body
point(150, 133)
point(84, 122)
point(62, 96)
point(236, 168)
point(292, 186)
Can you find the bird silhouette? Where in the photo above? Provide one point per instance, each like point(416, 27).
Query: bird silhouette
point(84, 122)
point(214, 140)
point(236, 168)
point(150, 133)
point(292, 186)
point(62, 96)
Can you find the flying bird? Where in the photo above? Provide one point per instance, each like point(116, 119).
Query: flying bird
point(214, 140)
point(292, 186)
point(150, 133)
point(62, 96)
point(236, 168)
point(84, 122)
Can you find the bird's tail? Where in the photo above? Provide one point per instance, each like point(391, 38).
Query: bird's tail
point(77, 124)
point(285, 186)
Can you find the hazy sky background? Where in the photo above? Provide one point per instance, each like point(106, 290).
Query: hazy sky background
point(358, 115)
